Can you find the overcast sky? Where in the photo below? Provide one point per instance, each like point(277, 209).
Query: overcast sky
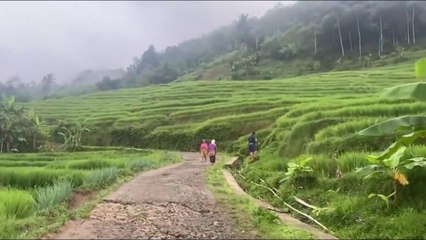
point(66, 37)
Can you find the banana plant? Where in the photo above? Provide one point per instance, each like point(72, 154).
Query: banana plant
point(297, 170)
point(407, 128)
point(37, 126)
point(72, 138)
point(11, 123)
point(392, 163)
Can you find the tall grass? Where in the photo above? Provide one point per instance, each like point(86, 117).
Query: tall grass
point(15, 203)
point(51, 196)
point(88, 164)
point(32, 177)
point(139, 165)
point(100, 177)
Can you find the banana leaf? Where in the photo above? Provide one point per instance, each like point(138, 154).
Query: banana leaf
point(421, 68)
point(414, 91)
point(395, 126)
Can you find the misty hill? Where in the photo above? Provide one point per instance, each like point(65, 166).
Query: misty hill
point(48, 87)
point(93, 76)
point(303, 38)
point(288, 41)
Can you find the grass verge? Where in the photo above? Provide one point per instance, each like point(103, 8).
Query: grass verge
point(251, 220)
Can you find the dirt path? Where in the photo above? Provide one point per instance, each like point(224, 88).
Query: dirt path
point(171, 202)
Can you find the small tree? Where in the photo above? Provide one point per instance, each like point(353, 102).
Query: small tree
point(37, 127)
point(72, 138)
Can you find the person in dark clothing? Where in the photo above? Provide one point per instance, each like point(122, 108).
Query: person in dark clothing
point(252, 145)
point(212, 151)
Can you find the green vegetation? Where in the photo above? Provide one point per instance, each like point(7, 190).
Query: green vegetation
point(38, 193)
point(51, 196)
point(421, 68)
point(288, 41)
point(343, 199)
point(249, 217)
point(314, 117)
point(320, 127)
point(177, 116)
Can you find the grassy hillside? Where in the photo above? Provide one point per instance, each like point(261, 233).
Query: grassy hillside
point(177, 116)
point(313, 115)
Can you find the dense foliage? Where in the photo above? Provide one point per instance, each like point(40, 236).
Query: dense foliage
point(19, 130)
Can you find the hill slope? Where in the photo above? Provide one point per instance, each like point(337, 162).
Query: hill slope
point(177, 116)
point(312, 116)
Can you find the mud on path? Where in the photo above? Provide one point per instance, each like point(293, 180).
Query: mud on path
point(171, 202)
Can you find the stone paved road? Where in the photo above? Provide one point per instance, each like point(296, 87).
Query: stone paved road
point(171, 202)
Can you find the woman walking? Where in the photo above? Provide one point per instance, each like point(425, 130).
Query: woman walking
point(212, 151)
point(203, 150)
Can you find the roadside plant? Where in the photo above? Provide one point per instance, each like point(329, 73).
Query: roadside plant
point(298, 172)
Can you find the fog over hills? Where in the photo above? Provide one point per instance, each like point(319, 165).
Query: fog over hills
point(66, 38)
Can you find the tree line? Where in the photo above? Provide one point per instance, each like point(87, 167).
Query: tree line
point(25, 92)
point(346, 29)
point(327, 32)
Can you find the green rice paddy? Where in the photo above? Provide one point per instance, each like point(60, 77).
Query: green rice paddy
point(32, 185)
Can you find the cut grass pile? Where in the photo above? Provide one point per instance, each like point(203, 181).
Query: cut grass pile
point(33, 193)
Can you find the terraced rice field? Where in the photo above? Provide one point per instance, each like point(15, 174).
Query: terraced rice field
point(35, 187)
point(313, 115)
point(178, 115)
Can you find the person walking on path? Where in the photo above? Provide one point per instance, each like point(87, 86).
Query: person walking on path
point(252, 145)
point(212, 151)
point(203, 150)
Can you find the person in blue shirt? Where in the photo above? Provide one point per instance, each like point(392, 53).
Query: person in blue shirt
point(252, 145)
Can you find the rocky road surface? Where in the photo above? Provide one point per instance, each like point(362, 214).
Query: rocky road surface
point(171, 202)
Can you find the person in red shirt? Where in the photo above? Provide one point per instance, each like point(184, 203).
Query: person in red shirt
point(203, 150)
